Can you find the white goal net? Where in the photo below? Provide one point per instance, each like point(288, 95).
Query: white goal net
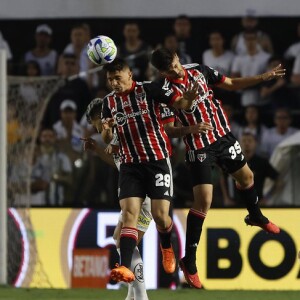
point(26, 103)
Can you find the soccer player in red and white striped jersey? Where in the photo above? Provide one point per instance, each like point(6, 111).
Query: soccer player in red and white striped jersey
point(133, 109)
point(216, 145)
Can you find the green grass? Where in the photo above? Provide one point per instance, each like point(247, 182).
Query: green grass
point(7, 293)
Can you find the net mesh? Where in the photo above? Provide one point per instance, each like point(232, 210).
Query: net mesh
point(27, 101)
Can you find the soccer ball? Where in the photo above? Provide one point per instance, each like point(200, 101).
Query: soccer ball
point(101, 50)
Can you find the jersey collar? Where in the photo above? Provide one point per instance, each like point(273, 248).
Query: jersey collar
point(127, 92)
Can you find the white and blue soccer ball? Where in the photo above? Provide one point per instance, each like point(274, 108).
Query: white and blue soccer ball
point(101, 50)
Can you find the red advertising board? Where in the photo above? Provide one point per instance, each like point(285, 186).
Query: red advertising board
point(90, 268)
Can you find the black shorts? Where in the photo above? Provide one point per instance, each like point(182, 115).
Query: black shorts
point(153, 179)
point(226, 152)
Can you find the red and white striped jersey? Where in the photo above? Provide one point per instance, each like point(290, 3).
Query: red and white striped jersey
point(205, 107)
point(138, 121)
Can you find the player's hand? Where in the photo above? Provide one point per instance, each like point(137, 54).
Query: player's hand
point(192, 92)
point(89, 144)
point(202, 127)
point(277, 72)
point(110, 149)
point(108, 123)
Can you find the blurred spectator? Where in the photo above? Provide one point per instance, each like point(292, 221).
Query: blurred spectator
point(5, 46)
point(76, 89)
point(295, 78)
point(274, 91)
point(217, 57)
point(187, 44)
point(273, 136)
point(171, 43)
point(79, 37)
point(252, 63)
point(250, 24)
point(230, 112)
point(28, 88)
point(285, 158)
point(260, 167)
point(135, 51)
point(252, 124)
point(51, 173)
point(68, 130)
point(220, 59)
point(14, 133)
point(293, 50)
point(42, 53)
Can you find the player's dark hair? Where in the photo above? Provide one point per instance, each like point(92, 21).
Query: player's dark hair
point(162, 59)
point(94, 109)
point(118, 64)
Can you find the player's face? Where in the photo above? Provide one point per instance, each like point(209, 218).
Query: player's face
point(175, 71)
point(216, 40)
point(47, 138)
point(97, 124)
point(120, 81)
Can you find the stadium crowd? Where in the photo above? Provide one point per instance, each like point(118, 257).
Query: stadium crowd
point(62, 174)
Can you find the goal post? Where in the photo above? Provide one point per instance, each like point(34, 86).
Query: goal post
point(3, 168)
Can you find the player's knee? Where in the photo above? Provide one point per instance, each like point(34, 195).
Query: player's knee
point(130, 216)
point(246, 180)
point(160, 218)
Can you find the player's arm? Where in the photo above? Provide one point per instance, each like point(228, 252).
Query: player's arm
point(180, 131)
point(233, 84)
point(107, 130)
point(91, 144)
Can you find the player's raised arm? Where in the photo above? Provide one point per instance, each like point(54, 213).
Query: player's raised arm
point(233, 84)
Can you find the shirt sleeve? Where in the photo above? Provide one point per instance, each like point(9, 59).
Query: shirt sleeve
point(212, 76)
point(106, 112)
point(163, 92)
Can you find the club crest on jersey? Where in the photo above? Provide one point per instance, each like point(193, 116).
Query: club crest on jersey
point(140, 97)
point(201, 157)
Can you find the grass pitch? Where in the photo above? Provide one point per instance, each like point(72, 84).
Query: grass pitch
point(7, 293)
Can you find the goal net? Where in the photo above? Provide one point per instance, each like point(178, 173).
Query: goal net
point(26, 103)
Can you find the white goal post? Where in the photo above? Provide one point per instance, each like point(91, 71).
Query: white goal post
point(3, 168)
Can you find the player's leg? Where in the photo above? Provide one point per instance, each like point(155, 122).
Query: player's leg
point(138, 287)
point(128, 238)
point(232, 160)
point(246, 189)
point(164, 224)
point(131, 195)
point(160, 190)
point(200, 166)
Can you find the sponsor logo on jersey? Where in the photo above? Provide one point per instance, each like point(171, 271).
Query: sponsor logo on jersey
point(121, 118)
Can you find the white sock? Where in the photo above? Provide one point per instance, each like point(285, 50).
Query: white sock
point(139, 288)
